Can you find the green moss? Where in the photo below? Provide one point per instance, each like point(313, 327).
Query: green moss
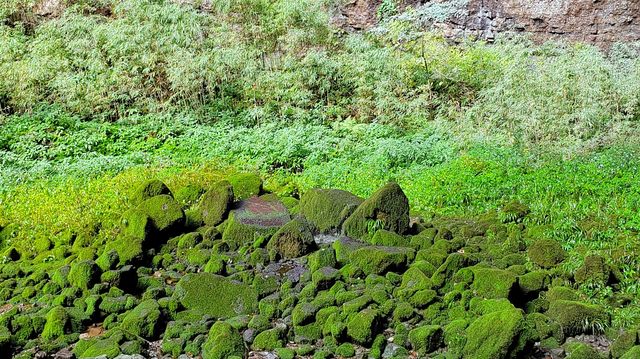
point(363, 326)
point(495, 335)
point(344, 247)
point(424, 239)
point(223, 342)
point(285, 353)
point(326, 209)
point(481, 306)
point(149, 189)
point(387, 238)
point(426, 339)
point(216, 264)
point(453, 263)
point(269, 340)
point(625, 342)
point(388, 206)
point(173, 347)
point(5, 339)
point(345, 350)
point(423, 298)
point(514, 211)
point(633, 353)
point(379, 260)
point(582, 351)
point(166, 214)
point(546, 253)
point(108, 347)
point(493, 282)
point(292, 240)
point(255, 218)
point(304, 313)
point(577, 318)
point(307, 333)
point(324, 257)
point(143, 320)
point(245, 185)
point(56, 325)
point(215, 203)
point(594, 270)
point(561, 293)
point(84, 274)
point(215, 295)
point(189, 194)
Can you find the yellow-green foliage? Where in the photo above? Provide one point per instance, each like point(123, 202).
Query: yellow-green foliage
point(245, 185)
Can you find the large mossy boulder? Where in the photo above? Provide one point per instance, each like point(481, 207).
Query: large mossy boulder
point(293, 240)
point(327, 209)
point(363, 326)
point(379, 259)
point(425, 339)
point(84, 274)
point(148, 190)
point(220, 297)
point(547, 253)
point(135, 237)
point(253, 218)
point(223, 342)
point(165, 213)
point(57, 323)
point(387, 208)
point(216, 202)
point(245, 185)
point(594, 270)
point(497, 335)
point(577, 317)
point(143, 320)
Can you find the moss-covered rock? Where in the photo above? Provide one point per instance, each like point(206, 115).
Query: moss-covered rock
point(493, 283)
point(388, 206)
point(136, 228)
point(246, 185)
point(363, 326)
point(390, 239)
point(578, 350)
point(495, 336)
point(149, 189)
point(215, 203)
point(189, 194)
point(223, 342)
point(143, 320)
point(165, 213)
point(514, 211)
point(632, 353)
point(594, 270)
point(253, 219)
point(547, 253)
point(453, 263)
point(324, 257)
point(215, 295)
point(84, 274)
point(533, 282)
point(625, 342)
point(327, 209)
point(577, 317)
point(426, 338)
point(56, 325)
point(269, 339)
point(379, 260)
point(5, 339)
point(292, 240)
point(561, 293)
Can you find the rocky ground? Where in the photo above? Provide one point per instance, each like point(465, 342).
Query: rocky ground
point(231, 272)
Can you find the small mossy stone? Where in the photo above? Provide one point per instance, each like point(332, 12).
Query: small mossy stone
point(84, 274)
point(269, 339)
point(363, 326)
point(254, 219)
point(246, 185)
point(561, 293)
point(547, 253)
point(495, 335)
point(379, 260)
point(493, 283)
point(388, 206)
point(324, 257)
point(577, 317)
point(345, 350)
point(57, 324)
point(215, 203)
point(166, 214)
point(533, 282)
point(327, 209)
point(582, 351)
point(223, 342)
point(426, 339)
point(292, 240)
point(285, 353)
point(215, 295)
point(143, 320)
point(149, 189)
point(387, 238)
point(625, 341)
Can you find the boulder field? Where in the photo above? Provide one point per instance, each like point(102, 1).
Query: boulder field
point(232, 272)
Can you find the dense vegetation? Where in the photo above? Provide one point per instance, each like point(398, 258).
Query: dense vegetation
point(107, 94)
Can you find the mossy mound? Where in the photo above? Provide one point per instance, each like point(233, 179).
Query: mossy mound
point(148, 190)
point(547, 253)
point(387, 208)
point(143, 320)
point(165, 213)
point(577, 317)
point(216, 202)
point(84, 274)
point(246, 185)
point(493, 283)
point(223, 342)
point(218, 296)
point(292, 240)
point(594, 270)
point(256, 217)
point(327, 209)
point(426, 339)
point(380, 260)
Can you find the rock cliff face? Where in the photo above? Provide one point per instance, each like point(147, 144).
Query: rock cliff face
point(599, 22)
